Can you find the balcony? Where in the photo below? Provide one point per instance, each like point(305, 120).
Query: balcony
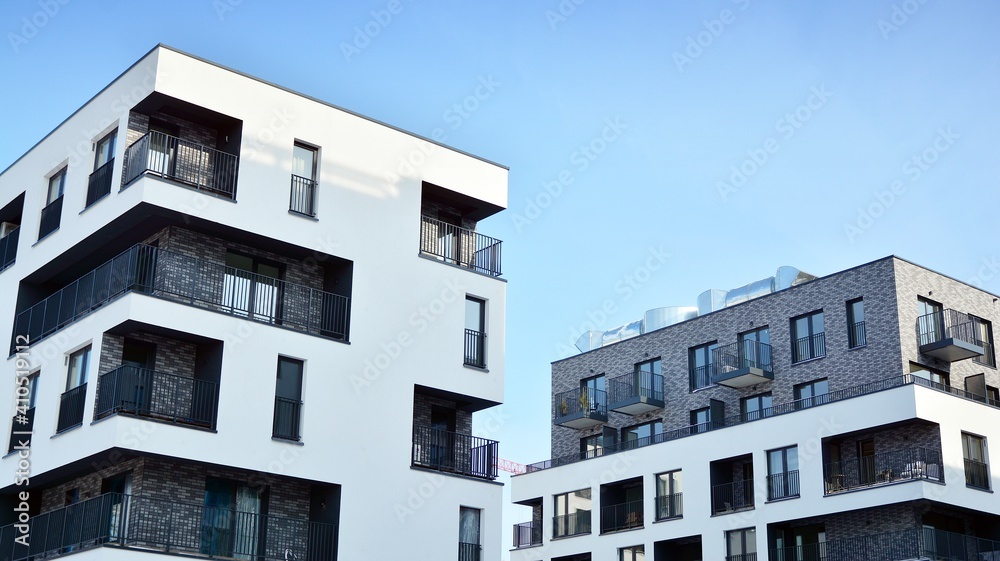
point(580, 408)
point(887, 467)
point(783, 485)
point(8, 248)
point(71, 405)
point(286, 419)
point(622, 516)
point(460, 246)
point(469, 551)
point(452, 452)
point(636, 393)
point(669, 506)
point(475, 348)
point(188, 163)
point(571, 524)
point(146, 524)
point(303, 197)
point(732, 496)
point(527, 534)
point(916, 543)
point(141, 392)
point(179, 278)
point(50, 218)
point(948, 335)
point(977, 474)
point(743, 364)
point(99, 184)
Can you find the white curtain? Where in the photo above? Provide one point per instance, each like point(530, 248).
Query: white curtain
point(245, 527)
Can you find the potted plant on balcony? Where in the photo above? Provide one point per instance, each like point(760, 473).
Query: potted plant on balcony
point(584, 402)
point(563, 407)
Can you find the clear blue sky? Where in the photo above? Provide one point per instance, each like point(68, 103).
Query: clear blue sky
point(840, 97)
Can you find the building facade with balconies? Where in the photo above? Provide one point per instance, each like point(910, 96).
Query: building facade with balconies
point(236, 329)
point(841, 418)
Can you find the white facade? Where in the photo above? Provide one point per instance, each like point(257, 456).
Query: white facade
point(406, 318)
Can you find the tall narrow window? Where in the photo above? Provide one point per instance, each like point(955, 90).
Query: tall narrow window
point(52, 213)
point(231, 519)
point(669, 497)
point(71, 403)
point(253, 288)
point(701, 360)
point(469, 547)
point(593, 394)
point(808, 337)
point(977, 469)
point(755, 349)
point(303, 197)
point(984, 336)
point(701, 419)
point(99, 184)
point(475, 332)
point(930, 321)
point(288, 399)
point(783, 473)
point(856, 335)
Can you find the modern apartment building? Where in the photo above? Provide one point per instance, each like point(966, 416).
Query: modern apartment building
point(240, 328)
point(841, 418)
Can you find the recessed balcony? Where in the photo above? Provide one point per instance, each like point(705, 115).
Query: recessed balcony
point(949, 335)
point(636, 393)
point(743, 364)
point(146, 393)
point(183, 161)
point(453, 452)
point(460, 246)
point(580, 408)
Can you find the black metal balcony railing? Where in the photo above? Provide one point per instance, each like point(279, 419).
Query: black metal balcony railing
point(8, 248)
point(669, 506)
point(527, 534)
point(701, 376)
point(783, 485)
point(915, 543)
point(742, 557)
point(183, 161)
point(286, 418)
point(742, 354)
point(71, 405)
point(571, 524)
point(780, 409)
point(21, 423)
point(151, 524)
point(585, 400)
point(453, 452)
point(621, 516)
point(732, 496)
point(147, 393)
point(856, 335)
point(303, 196)
point(988, 358)
point(460, 246)
point(809, 347)
point(475, 348)
point(635, 385)
point(469, 551)
point(884, 467)
point(99, 184)
point(181, 278)
point(977, 474)
point(946, 324)
point(50, 218)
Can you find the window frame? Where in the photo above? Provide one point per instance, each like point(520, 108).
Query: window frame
point(786, 485)
point(295, 423)
point(816, 398)
point(653, 433)
point(812, 334)
point(61, 186)
point(674, 486)
point(474, 346)
point(853, 340)
point(630, 553)
point(744, 533)
point(707, 352)
point(110, 139)
point(982, 451)
point(984, 328)
point(762, 410)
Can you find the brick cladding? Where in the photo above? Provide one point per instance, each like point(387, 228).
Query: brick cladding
point(171, 356)
point(422, 405)
point(843, 367)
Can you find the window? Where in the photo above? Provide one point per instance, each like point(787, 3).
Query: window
point(303, 197)
point(641, 435)
point(648, 380)
point(99, 183)
point(930, 321)
point(24, 414)
point(572, 513)
point(700, 419)
point(593, 396)
point(977, 470)
point(856, 336)
point(984, 336)
point(288, 399)
point(741, 545)
point(116, 490)
point(593, 446)
point(71, 402)
point(993, 396)
point(808, 337)
point(669, 497)
point(633, 553)
point(708, 418)
point(469, 547)
point(253, 288)
point(783, 473)
point(756, 407)
point(475, 332)
point(812, 393)
point(231, 519)
point(936, 378)
point(701, 360)
point(755, 348)
point(52, 213)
